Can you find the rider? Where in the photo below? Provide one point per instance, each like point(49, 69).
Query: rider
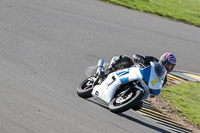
point(168, 60)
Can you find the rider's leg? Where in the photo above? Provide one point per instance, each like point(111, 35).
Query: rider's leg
point(118, 62)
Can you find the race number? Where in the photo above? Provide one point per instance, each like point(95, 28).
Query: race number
point(156, 81)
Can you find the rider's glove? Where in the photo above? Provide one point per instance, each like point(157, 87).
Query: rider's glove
point(138, 60)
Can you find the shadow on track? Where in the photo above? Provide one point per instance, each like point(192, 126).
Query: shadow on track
point(143, 123)
point(132, 118)
point(100, 104)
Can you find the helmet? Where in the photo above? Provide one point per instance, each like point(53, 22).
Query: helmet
point(169, 61)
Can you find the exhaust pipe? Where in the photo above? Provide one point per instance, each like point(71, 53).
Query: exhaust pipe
point(100, 66)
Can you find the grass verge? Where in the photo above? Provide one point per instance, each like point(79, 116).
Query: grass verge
point(185, 98)
point(182, 10)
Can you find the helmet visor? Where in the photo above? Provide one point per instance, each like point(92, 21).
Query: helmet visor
point(169, 67)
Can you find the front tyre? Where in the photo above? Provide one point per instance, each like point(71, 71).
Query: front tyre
point(85, 88)
point(123, 103)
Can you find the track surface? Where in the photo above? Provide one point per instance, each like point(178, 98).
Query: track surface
point(46, 46)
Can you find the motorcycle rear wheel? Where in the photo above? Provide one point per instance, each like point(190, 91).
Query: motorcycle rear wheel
point(120, 104)
point(85, 88)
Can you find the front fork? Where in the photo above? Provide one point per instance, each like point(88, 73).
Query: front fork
point(127, 92)
point(130, 88)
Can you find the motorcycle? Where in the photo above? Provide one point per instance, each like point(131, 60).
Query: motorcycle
point(123, 89)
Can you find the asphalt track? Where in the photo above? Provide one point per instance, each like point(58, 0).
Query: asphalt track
point(46, 46)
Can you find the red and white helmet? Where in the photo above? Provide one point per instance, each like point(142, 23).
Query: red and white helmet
point(169, 61)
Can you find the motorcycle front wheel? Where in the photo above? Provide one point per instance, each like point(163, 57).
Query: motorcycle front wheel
point(123, 103)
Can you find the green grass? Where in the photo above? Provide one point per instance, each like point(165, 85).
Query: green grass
point(186, 97)
point(182, 10)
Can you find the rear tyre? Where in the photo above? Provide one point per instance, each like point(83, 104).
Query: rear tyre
point(85, 88)
point(120, 104)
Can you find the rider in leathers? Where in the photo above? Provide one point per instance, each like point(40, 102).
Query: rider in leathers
point(123, 61)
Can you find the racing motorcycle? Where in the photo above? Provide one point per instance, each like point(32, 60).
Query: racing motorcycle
point(123, 89)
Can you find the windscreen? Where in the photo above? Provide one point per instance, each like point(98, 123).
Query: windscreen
point(159, 69)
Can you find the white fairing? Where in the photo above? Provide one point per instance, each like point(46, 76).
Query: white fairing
point(107, 89)
point(150, 78)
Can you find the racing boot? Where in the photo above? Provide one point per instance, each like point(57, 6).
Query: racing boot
point(138, 106)
point(111, 68)
point(104, 74)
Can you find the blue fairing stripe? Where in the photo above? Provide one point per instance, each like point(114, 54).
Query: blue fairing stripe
point(121, 73)
point(124, 80)
point(146, 73)
point(155, 92)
